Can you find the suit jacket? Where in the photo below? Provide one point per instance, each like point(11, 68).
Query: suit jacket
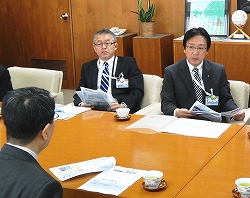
point(5, 83)
point(21, 176)
point(178, 92)
point(131, 96)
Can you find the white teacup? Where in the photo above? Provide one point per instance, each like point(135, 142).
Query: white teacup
point(243, 186)
point(152, 179)
point(122, 112)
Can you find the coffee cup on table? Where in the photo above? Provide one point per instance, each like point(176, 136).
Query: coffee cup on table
point(122, 112)
point(243, 187)
point(152, 179)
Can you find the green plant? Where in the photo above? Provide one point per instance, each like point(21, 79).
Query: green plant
point(145, 16)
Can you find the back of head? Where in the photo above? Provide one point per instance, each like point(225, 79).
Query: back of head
point(194, 32)
point(25, 112)
point(104, 31)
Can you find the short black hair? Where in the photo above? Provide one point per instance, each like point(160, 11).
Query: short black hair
point(26, 111)
point(194, 32)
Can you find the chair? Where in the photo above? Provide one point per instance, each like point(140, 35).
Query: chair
point(152, 89)
point(240, 93)
point(51, 80)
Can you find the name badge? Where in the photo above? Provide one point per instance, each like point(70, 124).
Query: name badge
point(212, 100)
point(122, 83)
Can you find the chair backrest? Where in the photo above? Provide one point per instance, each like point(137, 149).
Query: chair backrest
point(51, 80)
point(152, 89)
point(240, 93)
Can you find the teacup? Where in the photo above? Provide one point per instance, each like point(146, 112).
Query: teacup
point(122, 112)
point(243, 186)
point(152, 179)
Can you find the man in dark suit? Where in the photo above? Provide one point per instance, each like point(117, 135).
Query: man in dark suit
point(178, 92)
point(28, 114)
point(125, 79)
point(5, 83)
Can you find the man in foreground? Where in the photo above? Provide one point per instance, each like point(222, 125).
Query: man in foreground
point(28, 114)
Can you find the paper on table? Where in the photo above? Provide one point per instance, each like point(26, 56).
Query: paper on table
point(154, 122)
point(198, 128)
point(113, 181)
point(69, 111)
point(182, 126)
point(72, 170)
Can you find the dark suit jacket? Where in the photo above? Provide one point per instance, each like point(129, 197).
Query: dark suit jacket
point(130, 96)
point(5, 83)
point(21, 176)
point(178, 92)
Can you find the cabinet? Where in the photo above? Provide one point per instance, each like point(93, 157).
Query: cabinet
point(125, 44)
point(231, 53)
point(153, 53)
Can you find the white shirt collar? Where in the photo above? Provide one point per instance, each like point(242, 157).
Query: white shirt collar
point(32, 153)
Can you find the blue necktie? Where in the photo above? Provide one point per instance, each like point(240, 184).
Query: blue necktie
point(197, 89)
point(105, 78)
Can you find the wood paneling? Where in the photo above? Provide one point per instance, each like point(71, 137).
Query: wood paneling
point(32, 29)
point(11, 48)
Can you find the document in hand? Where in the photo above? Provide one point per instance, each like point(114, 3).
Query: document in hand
point(204, 111)
point(97, 98)
point(90, 166)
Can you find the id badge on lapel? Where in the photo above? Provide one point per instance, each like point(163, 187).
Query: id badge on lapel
point(121, 82)
point(212, 100)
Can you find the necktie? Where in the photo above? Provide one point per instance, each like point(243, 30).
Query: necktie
point(105, 78)
point(197, 89)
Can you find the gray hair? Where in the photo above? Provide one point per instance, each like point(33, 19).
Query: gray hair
point(104, 31)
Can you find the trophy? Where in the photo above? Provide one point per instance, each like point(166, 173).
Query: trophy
point(239, 19)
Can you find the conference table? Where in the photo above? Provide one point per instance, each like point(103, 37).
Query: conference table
point(95, 134)
point(217, 178)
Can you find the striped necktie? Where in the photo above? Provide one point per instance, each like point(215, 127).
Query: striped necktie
point(105, 78)
point(197, 89)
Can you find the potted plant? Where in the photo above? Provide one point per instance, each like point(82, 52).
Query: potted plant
point(145, 18)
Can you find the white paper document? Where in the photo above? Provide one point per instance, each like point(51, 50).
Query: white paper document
point(181, 126)
point(204, 111)
point(197, 128)
point(90, 166)
point(69, 111)
point(113, 181)
point(96, 98)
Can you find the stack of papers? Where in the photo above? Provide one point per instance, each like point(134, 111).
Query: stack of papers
point(69, 111)
point(181, 126)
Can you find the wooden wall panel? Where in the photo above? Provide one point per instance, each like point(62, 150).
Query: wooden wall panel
point(11, 48)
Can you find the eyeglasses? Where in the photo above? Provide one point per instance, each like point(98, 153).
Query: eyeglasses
point(107, 44)
point(56, 116)
point(199, 49)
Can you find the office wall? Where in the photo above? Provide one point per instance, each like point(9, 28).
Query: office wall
point(21, 35)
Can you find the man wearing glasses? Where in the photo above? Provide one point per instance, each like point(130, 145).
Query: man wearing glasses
point(119, 77)
point(28, 114)
point(196, 78)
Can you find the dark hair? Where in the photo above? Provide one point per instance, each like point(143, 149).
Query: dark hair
point(194, 32)
point(26, 111)
point(104, 31)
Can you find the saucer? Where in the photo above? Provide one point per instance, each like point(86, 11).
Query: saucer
point(122, 119)
point(161, 186)
point(236, 193)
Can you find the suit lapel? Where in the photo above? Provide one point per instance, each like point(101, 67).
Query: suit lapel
point(206, 76)
point(186, 77)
